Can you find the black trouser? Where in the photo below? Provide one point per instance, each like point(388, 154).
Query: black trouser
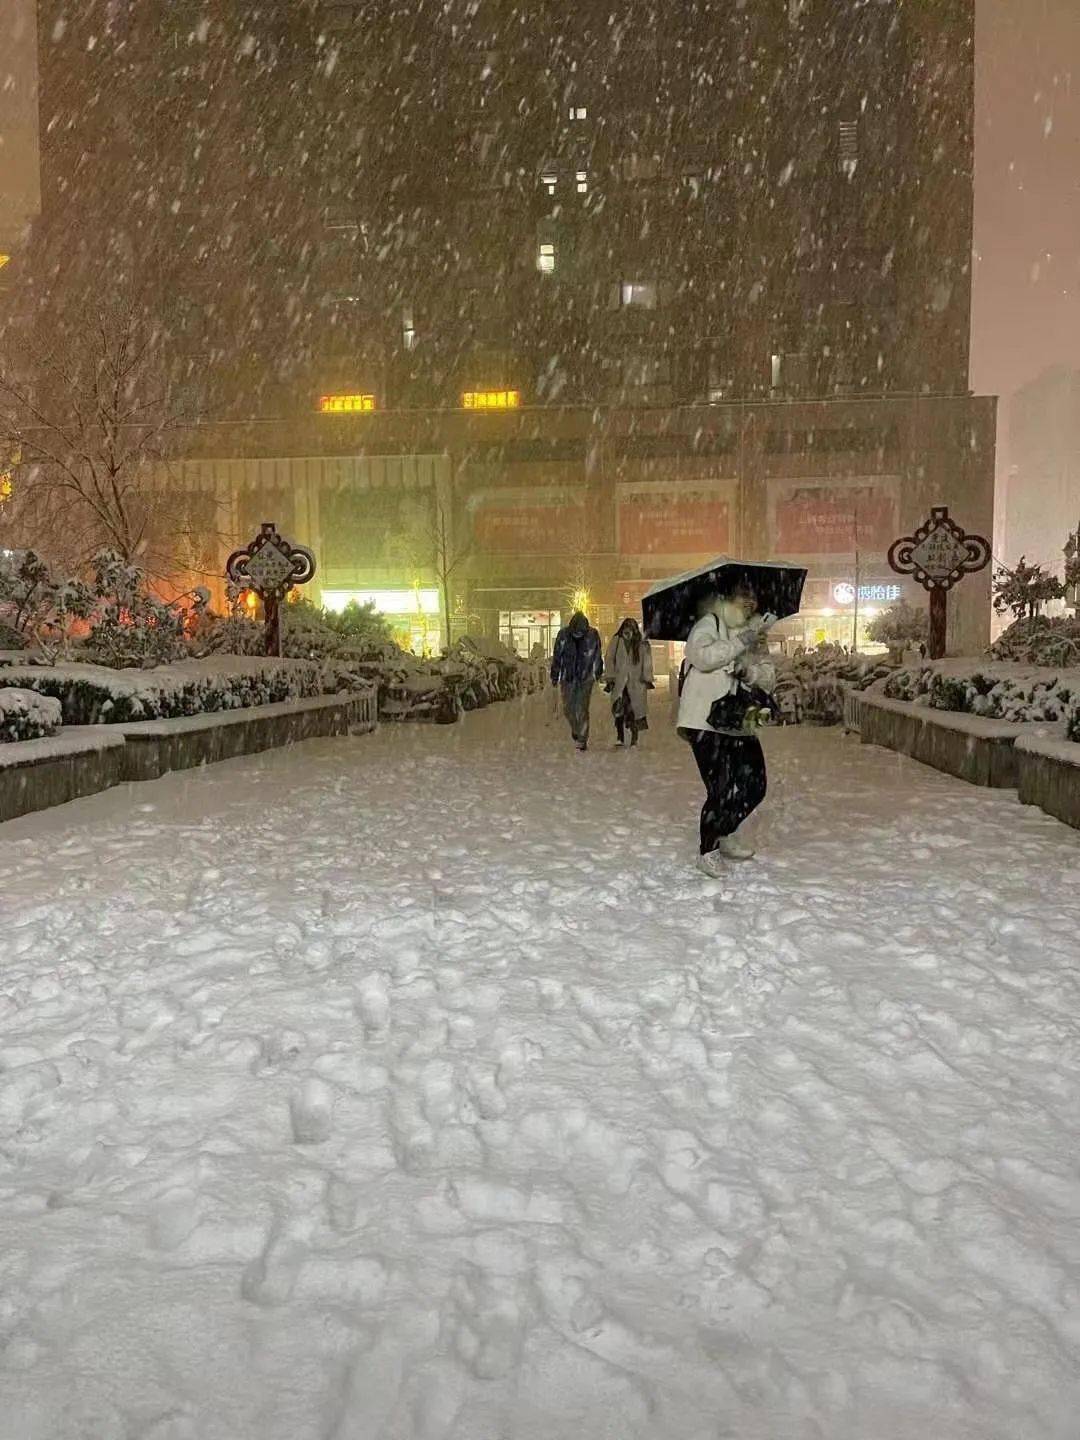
point(576, 698)
point(733, 769)
point(625, 719)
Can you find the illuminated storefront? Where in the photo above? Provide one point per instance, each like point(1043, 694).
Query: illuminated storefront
point(830, 613)
point(527, 632)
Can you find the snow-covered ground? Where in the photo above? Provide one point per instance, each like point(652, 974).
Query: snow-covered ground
point(415, 1088)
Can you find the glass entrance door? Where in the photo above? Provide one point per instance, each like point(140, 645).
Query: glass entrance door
point(529, 631)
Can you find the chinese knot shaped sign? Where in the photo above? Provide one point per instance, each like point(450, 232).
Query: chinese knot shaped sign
point(271, 566)
point(939, 555)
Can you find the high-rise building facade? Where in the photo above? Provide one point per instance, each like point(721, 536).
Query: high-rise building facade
point(1042, 492)
point(583, 203)
point(630, 234)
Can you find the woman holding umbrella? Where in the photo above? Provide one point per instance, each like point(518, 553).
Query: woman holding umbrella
point(721, 689)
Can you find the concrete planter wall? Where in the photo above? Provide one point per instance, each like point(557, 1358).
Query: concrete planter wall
point(154, 747)
point(37, 774)
point(1049, 777)
point(979, 751)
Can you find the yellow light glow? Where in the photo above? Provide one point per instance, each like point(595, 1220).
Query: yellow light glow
point(417, 601)
point(346, 404)
point(580, 601)
point(4, 260)
point(6, 485)
point(491, 399)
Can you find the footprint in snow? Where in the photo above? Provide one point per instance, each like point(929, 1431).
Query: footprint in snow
point(175, 1217)
point(311, 1110)
point(271, 1277)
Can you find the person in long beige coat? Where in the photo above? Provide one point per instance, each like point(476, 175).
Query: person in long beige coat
point(628, 679)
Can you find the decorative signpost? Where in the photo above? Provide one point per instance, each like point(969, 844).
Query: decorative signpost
point(271, 566)
point(939, 555)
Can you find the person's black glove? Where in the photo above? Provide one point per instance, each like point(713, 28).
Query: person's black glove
point(649, 685)
point(609, 686)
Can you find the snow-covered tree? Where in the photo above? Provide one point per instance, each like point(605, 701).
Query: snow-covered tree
point(93, 430)
point(1072, 561)
point(1025, 590)
point(899, 627)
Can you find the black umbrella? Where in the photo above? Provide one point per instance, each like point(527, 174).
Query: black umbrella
point(671, 608)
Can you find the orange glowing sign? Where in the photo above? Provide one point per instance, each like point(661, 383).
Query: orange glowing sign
point(346, 404)
point(491, 399)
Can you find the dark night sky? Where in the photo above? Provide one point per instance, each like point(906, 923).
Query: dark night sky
point(1027, 195)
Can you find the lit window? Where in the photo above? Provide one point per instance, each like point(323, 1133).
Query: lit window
point(849, 146)
point(582, 179)
point(491, 400)
point(579, 112)
point(549, 182)
point(777, 371)
point(639, 293)
point(545, 260)
point(4, 260)
point(346, 404)
point(408, 328)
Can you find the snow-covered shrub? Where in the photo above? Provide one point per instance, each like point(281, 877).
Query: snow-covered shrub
point(361, 627)
point(96, 695)
point(307, 633)
point(1017, 698)
point(130, 626)
point(899, 628)
point(10, 638)
point(36, 605)
point(26, 715)
point(1040, 641)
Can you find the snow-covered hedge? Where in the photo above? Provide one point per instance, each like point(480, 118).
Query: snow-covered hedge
point(26, 715)
point(819, 679)
point(96, 695)
point(994, 690)
point(475, 673)
point(1040, 641)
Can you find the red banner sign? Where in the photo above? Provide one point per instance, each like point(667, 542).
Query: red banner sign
point(529, 529)
point(675, 525)
point(834, 520)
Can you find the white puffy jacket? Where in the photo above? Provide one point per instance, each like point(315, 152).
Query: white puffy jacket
point(712, 651)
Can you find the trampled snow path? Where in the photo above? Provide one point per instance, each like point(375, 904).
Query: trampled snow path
point(414, 1088)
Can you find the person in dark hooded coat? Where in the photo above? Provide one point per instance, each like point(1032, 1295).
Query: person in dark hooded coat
point(577, 664)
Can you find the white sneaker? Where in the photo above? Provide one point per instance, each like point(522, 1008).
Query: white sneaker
point(732, 848)
point(712, 865)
